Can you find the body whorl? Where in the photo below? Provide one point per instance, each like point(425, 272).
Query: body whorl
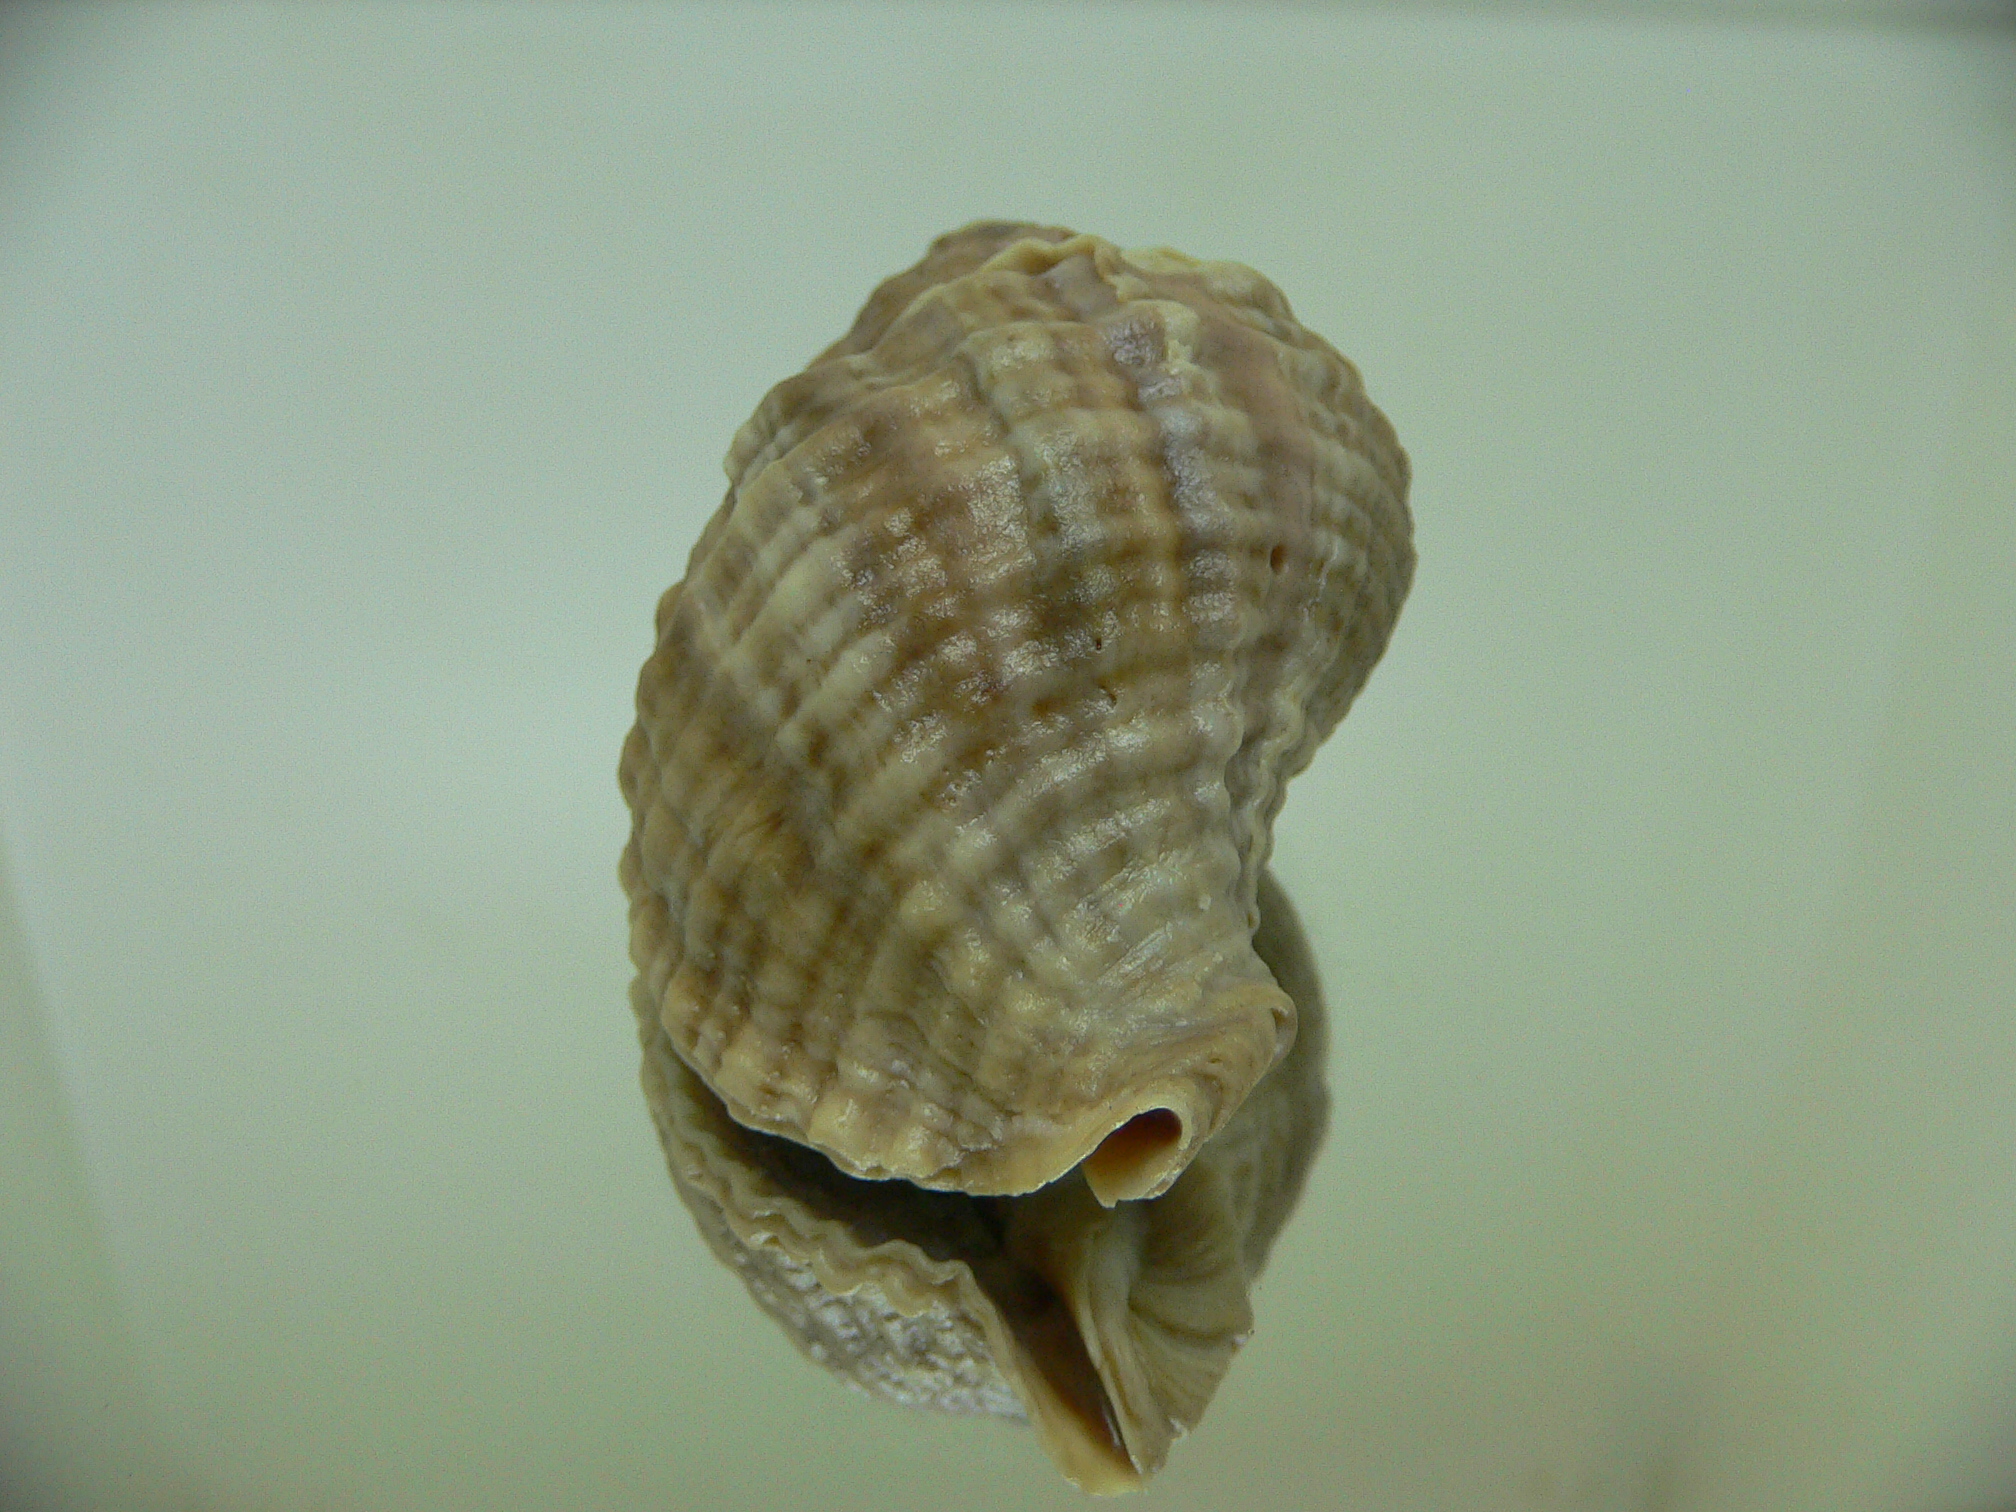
point(956, 761)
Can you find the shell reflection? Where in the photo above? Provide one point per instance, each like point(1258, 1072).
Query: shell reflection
point(1107, 1329)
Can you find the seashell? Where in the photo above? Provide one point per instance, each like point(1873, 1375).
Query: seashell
point(1108, 1329)
point(956, 762)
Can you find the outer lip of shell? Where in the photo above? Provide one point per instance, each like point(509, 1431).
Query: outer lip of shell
point(1132, 1146)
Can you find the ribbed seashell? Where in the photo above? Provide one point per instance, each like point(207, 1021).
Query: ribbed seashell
point(1108, 1329)
point(955, 764)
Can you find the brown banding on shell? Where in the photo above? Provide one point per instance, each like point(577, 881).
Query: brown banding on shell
point(956, 762)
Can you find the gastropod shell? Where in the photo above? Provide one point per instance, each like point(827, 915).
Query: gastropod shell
point(952, 785)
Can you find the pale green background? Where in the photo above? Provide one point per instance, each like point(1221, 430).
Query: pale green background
point(364, 375)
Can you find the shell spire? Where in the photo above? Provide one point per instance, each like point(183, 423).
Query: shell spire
point(956, 761)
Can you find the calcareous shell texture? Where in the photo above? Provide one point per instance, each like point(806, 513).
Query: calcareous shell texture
point(1108, 1329)
point(956, 761)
